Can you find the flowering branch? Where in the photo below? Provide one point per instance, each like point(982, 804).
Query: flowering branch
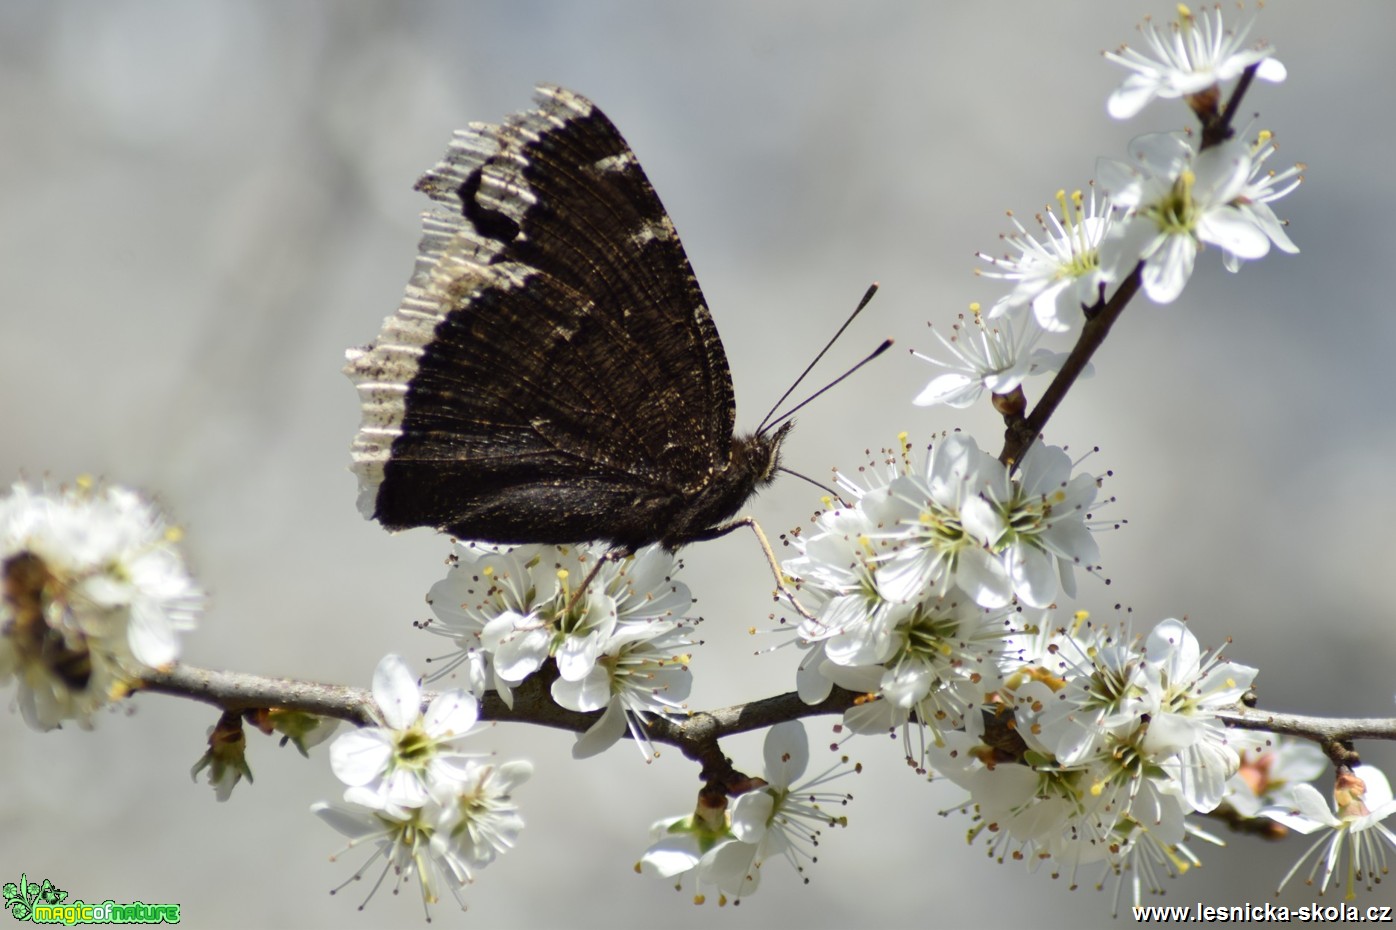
point(930, 588)
point(1020, 432)
point(533, 704)
point(238, 691)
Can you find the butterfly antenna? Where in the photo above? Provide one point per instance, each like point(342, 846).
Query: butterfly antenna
point(765, 424)
point(886, 344)
point(818, 484)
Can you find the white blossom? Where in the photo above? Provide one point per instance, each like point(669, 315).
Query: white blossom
point(1353, 840)
point(780, 816)
point(1189, 56)
point(459, 828)
point(1177, 200)
point(642, 672)
point(994, 356)
point(1059, 272)
point(95, 591)
point(1263, 187)
point(512, 608)
point(412, 753)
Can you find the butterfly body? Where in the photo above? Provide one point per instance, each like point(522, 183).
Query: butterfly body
point(553, 374)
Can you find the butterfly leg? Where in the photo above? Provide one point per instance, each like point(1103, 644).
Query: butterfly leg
point(781, 587)
point(613, 555)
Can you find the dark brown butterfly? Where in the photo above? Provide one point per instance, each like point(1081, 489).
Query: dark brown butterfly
point(553, 374)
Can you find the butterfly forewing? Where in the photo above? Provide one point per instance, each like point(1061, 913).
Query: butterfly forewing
point(552, 374)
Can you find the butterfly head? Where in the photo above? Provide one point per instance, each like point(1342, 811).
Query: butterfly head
point(759, 454)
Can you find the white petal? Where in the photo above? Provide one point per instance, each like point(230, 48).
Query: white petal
point(840, 614)
point(901, 579)
point(150, 635)
point(509, 775)
point(1378, 788)
point(1172, 646)
point(874, 717)
point(954, 464)
point(906, 684)
point(1162, 154)
point(731, 866)
point(396, 692)
point(586, 694)
point(1167, 271)
point(353, 824)
point(1129, 242)
point(1308, 811)
point(403, 789)
point(1057, 310)
point(1222, 173)
point(360, 756)
point(750, 814)
point(863, 643)
point(953, 390)
point(1045, 469)
point(1073, 541)
point(1131, 96)
point(809, 684)
point(1204, 783)
point(1119, 180)
point(578, 654)
point(1233, 231)
point(1034, 574)
point(982, 520)
point(1170, 734)
point(519, 651)
point(1270, 224)
point(603, 734)
point(453, 713)
point(674, 854)
point(983, 578)
point(787, 753)
point(1271, 70)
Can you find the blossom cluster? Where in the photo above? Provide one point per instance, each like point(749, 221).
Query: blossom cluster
point(779, 815)
point(431, 809)
point(614, 628)
point(1099, 747)
point(931, 594)
point(95, 591)
point(1148, 215)
point(1096, 748)
point(910, 588)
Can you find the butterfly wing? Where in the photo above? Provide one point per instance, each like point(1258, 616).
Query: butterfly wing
point(553, 373)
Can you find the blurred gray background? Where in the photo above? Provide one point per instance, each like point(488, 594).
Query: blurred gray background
point(205, 203)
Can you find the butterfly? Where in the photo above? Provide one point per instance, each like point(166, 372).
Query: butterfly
point(552, 374)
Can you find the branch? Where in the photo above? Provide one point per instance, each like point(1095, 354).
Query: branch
point(533, 703)
point(1022, 431)
point(1319, 729)
point(1334, 735)
point(237, 691)
point(696, 736)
